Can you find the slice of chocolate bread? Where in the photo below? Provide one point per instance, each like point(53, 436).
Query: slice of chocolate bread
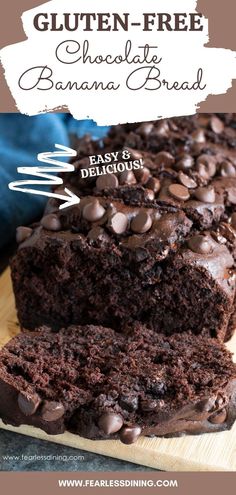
point(101, 384)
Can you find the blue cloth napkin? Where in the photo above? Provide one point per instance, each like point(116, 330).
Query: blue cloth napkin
point(21, 139)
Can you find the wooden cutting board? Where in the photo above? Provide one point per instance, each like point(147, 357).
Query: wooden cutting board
point(209, 452)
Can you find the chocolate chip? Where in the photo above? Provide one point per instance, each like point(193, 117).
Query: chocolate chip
point(200, 244)
point(127, 177)
point(232, 195)
point(233, 220)
point(219, 417)
point(203, 172)
point(145, 129)
point(93, 211)
point(179, 192)
point(227, 169)
point(205, 194)
point(227, 231)
point(141, 223)
point(185, 162)
point(135, 154)
point(216, 125)
point(28, 403)
point(187, 181)
point(164, 159)
point(97, 234)
point(129, 434)
point(23, 233)
point(110, 423)
point(149, 195)
point(108, 181)
point(172, 125)
point(154, 184)
point(162, 129)
point(209, 163)
point(51, 222)
point(118, 223)
point(142, 175)
point(52, 411)
point(218, 237)
point(199, 136)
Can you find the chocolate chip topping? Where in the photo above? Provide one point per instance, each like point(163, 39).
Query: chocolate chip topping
point(227, 230)
point(209, 163)
point(202, 171)
point(227, 169)
point(127, 177)
point(108, 181)
point(179, 192)
point(93, 211)
point(142, 175)
point(110, 423)
point(216, 124)
point(164, 159)
point(218, 417)
point(205, 194)
point(118, 223)
point(187, 181)
point(162, 129)
point(154, 184)
point(23, 233)
point(135, 154)
point(28, 403)
point(129, 434)
point(141, 223)
point(185, 162)
point(51, 222)
point(199, 136)
point(149, 195)
point(145, 129)
point(200, 244)
point(52, 411)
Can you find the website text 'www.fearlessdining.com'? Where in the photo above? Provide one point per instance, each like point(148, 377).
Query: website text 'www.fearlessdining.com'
point(117, 483)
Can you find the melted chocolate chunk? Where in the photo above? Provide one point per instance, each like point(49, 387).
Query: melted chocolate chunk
point(51, 222)
point(130, 434)
point(141, 223)
point(200, 244)
point(106, 182)
point(205, 194)
point(110, 423)
point(93, 211)
point(118, 223)
point(28, 403)
point(179, 192)
point(52, 411)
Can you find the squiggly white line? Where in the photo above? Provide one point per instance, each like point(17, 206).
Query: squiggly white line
point(45, 173)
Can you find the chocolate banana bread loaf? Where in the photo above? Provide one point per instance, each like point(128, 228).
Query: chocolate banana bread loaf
point(102, 384)
point(155, 244)
point(170, 278)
